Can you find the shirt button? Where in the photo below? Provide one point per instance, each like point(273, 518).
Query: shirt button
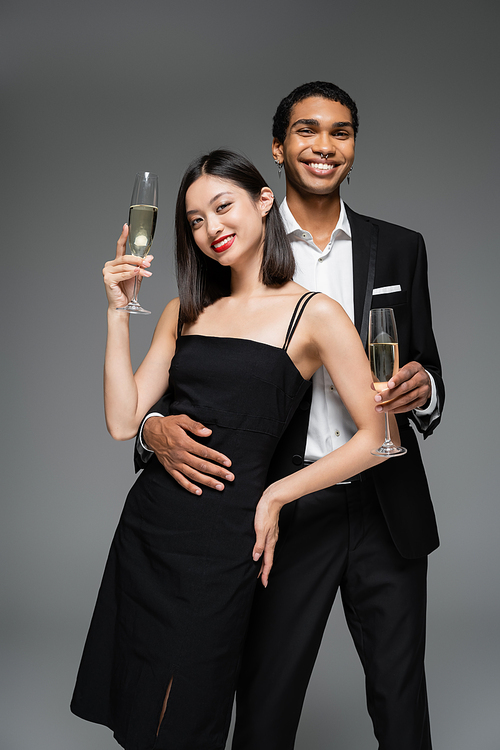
point(304, 235)
point(337, 433)
point(332, 387)
point(320, 260)
point(297, 460)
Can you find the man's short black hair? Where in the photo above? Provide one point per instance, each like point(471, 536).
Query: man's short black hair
point(324, 89)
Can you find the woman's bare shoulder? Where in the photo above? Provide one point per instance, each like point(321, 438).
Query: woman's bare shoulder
point(322, 305)
point(169, 317)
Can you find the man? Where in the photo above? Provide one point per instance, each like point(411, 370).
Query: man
point(370, 536)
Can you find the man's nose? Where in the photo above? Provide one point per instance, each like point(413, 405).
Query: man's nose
point(324, 144)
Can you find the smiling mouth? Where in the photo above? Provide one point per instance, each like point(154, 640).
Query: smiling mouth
point(321, 166)
point(223, 244)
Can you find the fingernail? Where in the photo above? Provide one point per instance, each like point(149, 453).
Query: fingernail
point(205, 430)
point(229, 477)
point(378, 408)
point(378, 398)
point(219, 486)
point(265, 584)
point(256, 556)
point(197, 492)
point(147, 273)
point(226, 463)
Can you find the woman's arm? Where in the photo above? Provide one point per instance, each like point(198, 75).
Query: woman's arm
point(127, 396)
point(327, 338)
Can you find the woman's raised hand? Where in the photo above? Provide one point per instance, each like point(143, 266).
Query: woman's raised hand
point(119, 274)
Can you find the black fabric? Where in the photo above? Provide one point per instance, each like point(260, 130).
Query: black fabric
point(408, 534)
point(382, 580)
point(336, 538)
point(178, 586)
point(401, 484)
point(401, 259)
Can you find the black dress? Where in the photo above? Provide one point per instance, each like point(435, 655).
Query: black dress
point(178, 585)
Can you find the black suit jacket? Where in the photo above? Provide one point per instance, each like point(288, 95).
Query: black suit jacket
point(384, 255)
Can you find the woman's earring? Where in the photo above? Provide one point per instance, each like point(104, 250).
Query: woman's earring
point(349, 176)
point(280, 166)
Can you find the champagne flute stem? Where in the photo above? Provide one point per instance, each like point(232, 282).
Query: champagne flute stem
point(387, 440)
point(137, 286)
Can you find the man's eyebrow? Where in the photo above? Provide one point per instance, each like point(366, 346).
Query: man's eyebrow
point(224, 192)
point(315, 123)
point(305, 122)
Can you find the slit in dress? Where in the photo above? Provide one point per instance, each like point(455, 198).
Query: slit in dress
point(164, 706)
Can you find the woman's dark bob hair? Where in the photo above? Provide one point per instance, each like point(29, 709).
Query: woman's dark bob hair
point(200, 279)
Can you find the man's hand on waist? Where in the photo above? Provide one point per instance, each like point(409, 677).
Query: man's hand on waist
point(186, 460)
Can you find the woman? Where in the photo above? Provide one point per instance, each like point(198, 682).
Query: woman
point(237, 349)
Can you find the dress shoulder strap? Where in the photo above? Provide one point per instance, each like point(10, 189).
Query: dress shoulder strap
point(296, 316)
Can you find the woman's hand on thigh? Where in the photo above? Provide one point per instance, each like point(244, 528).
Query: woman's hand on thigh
point(266, 532)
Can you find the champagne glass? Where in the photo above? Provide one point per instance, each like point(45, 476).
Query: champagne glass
point(384, 363)
point(141, 228)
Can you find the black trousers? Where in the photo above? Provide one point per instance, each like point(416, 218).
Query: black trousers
point(336, 538)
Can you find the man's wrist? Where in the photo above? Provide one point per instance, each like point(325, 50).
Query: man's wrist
point(432, 402)
point(141, 431)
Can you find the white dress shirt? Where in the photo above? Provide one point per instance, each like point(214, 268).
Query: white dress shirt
point(329, 271)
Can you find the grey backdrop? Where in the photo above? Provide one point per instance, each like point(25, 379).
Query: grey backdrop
point(93, 92)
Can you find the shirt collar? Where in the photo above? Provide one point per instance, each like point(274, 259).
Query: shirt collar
point(294, 230)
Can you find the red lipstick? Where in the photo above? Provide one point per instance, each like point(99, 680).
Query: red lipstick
point(227, 241)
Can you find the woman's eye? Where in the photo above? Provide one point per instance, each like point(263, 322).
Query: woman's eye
point(195, 222)
point(223, 206)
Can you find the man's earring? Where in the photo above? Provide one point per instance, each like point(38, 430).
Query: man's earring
point(349, 176)
point(280, 166)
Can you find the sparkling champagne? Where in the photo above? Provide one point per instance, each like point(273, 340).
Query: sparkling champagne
point(142, 224)
point(384, 363)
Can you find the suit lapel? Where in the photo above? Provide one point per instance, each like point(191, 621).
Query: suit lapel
point(364, 255)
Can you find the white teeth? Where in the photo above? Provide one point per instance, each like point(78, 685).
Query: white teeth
point(222, 242)
point(324, 167)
